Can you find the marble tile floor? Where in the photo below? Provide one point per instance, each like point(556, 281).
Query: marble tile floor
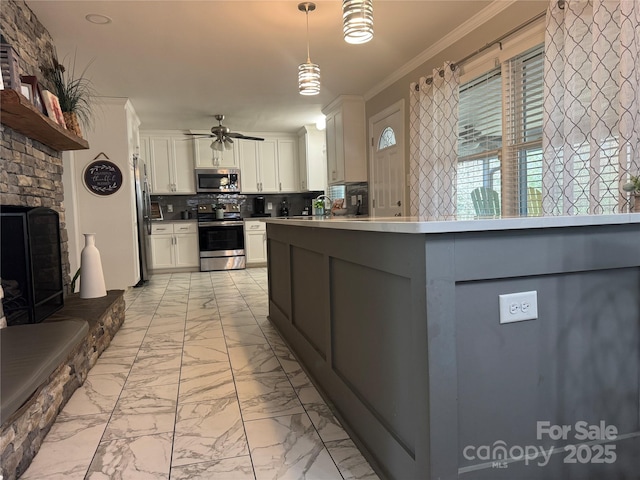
point(197, 384)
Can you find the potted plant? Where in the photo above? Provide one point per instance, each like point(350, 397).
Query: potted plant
point(633, 187)
point(75, 94)
point(318, 207)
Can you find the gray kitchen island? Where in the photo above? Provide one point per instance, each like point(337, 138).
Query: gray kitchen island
point(398, 323)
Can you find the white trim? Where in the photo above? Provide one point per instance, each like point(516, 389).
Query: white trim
point(458, 33)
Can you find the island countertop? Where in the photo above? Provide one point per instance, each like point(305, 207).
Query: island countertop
point(423, 225)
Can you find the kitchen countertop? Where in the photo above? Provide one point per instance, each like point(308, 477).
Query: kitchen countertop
point(420, 225)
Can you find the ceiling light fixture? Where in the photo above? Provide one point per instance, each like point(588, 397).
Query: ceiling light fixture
point(357, 20)
point(308, 73)
point(98, 19)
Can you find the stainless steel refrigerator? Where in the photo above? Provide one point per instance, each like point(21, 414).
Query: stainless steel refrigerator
point(143, 214)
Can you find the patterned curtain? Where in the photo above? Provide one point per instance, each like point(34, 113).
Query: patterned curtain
point(433, 152)
point(591, 137)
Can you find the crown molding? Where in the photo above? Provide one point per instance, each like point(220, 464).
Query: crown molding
point(460, 32)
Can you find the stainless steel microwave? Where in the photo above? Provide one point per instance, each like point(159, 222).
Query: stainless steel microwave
point(217, 180)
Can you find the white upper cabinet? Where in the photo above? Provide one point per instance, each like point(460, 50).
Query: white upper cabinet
point(170, 161)
point(269, 166)
point(184, 177)
point(346, 140)
point(205, 157)
point(312, 159)
point(287, 165)
point(248, 161)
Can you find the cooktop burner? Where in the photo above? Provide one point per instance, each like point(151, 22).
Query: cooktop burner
point(209, 213)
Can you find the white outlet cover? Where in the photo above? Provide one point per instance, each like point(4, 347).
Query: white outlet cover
point(530, 301)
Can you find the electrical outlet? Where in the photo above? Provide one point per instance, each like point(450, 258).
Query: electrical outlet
point(516, 307)
point(269, 206)
point(169, 208)
point(354, 200)
point(360, 199)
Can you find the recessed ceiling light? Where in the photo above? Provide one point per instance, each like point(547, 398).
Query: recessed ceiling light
point(98, 19)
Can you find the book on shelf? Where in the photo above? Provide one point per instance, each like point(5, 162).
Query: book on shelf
point(52, 106)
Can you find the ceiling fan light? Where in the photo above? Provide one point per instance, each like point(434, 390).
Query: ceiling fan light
point(357, 20)
point(217, 146)
point(309, 79)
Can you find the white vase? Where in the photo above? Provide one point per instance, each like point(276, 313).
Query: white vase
point(91, 276)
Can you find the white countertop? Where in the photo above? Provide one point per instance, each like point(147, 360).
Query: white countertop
point(419, 225)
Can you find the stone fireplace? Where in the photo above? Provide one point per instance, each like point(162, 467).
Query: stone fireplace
point(30, 263)
point(31, 172)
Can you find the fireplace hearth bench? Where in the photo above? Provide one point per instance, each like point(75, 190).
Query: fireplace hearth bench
point(42, 364)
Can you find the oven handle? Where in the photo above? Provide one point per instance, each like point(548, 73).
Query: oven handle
point(223, 223)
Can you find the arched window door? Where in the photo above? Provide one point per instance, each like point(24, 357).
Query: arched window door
point(387, 138)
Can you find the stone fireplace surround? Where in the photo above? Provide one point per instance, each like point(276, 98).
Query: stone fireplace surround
point(31, 175)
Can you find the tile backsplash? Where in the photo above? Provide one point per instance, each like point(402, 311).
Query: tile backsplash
point(189, 203)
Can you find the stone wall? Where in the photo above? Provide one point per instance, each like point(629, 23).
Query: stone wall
point(30, 172)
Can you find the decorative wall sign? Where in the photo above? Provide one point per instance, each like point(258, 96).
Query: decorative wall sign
point(102, 177)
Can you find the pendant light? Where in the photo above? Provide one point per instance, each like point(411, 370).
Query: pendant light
point(308, 73)
point(357, 20)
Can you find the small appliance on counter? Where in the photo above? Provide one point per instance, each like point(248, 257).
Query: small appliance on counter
point(258, 207)
point(284, 208)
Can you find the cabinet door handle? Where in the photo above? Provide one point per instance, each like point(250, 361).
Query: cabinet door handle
point(280, 186)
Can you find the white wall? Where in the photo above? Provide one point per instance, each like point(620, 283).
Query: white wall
point(112, 218)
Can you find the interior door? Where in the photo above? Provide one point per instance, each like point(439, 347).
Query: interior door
point(386, 165)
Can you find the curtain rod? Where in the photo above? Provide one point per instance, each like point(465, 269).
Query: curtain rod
point(455, 65)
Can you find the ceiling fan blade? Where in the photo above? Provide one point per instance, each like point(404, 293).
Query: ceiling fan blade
point(199, 135)
point(244, 137)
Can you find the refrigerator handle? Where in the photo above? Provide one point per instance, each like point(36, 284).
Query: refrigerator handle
point(147, 207)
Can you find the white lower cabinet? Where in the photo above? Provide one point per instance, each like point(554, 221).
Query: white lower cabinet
point(255, 241)
point(174, 245)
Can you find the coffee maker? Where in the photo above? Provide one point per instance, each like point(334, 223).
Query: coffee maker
point(258, 207)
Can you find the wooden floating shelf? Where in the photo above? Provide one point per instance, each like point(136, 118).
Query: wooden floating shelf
point(21, 115)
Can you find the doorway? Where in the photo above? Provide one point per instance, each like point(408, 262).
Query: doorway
point(386, 162)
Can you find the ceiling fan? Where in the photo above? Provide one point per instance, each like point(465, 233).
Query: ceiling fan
point(223, 137)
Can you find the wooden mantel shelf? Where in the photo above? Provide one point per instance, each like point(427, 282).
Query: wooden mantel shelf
point(21, 115)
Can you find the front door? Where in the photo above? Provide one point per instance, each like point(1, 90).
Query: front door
point(387, 162)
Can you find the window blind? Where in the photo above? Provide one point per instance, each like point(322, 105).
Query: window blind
point(479, 143)
point(522, 162)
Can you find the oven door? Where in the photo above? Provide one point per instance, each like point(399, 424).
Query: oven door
point(221, 245)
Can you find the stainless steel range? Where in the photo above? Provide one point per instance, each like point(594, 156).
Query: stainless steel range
point(221, 238)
